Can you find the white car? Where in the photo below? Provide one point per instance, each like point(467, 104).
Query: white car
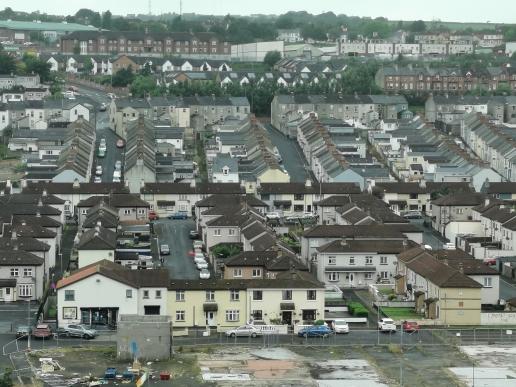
point(272, 216)
point(204, 274)
point(202, 265)
point(199, 259)
point(387, 325)
point(197, 245)
point(116, 180)
point(118, 165)
point(97, 179)
point(340, 326)
point(98, 171)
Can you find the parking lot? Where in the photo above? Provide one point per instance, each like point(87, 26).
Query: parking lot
point(175, 233)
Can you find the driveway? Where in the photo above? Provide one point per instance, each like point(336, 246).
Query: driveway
point(293, 159)
point(175, 233)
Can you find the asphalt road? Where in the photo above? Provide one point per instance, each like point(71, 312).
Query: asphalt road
point(14, 314)
point(175, 233)
point(429, 236)
point(293, 159)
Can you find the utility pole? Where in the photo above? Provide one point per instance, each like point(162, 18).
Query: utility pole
point(28, 322)
point(181, 8)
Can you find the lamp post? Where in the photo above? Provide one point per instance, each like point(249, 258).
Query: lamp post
point(29, 324)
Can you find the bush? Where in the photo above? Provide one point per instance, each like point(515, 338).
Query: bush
point(319, 322)
point(357, 309)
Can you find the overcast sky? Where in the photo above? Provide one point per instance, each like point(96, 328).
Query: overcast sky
point(501, 11)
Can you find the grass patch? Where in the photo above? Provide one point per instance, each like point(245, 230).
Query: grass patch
point(394, 348)
point(400, 313)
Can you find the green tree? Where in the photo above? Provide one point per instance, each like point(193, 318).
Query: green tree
point(107, 20)
point(96, 20)
point(271, 58)
point(6, 380)
point(76, 49)
point(35, 65)
point(143, 86)
point(418, 26)
point(87, 65)
point(7, 63)
point(123, 77)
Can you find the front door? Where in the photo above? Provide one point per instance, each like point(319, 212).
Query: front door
point(210, 319)
point(351, 279)
point(286, 317)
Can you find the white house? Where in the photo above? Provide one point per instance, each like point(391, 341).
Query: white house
point(95, 245)
point(224, 169)
point(99, 293)
point(21, 276)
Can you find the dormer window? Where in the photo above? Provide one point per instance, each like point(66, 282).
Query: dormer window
point(225, 171)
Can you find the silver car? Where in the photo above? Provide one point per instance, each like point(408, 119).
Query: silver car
point(80, 331)
point(244, 331)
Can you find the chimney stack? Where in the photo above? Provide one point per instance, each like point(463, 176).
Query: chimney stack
point(461, 268)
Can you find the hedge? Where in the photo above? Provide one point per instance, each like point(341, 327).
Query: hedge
point(357, 309)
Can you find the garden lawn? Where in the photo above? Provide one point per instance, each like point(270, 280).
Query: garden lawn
point(401, 313)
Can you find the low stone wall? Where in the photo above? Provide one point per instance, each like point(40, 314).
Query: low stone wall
point(498, 318)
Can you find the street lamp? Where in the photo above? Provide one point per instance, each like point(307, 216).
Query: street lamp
point(29, 324)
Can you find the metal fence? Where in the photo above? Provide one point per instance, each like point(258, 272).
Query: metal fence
point(469, 336)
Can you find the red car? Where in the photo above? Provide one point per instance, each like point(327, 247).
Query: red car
point(153, 215)
point(120, 143)
point(410, 326)
point(42, 331)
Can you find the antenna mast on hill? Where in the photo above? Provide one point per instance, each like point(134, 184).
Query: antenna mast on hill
point(181, 8)
point(150, 7)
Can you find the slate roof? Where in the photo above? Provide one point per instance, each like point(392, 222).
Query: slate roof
point(368, 231)
point(115, 201)
point(156, 278)
point(98, 238)
point(302, 188)
point(79, 188)
point(268, 259)
point(435, 271)
point(19, 258)
point(22, 243)
point(429, 187)
point(464, 199)
point(198, 188)
point(368, 246)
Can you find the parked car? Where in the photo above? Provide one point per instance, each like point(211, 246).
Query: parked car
point(120, 143)
point(102, 107)
point(340, 326)
point(244, 331)
point(194, 234)
point(118, 165)
point(410, 326)
point(315, 331)
point(80, 331)
point(98, 170)
point(387, 325)
point(204, 274)
point(101, 153)
point(164, 249)
point(201, 265)
point(97, 179)
point(198, 245)
point(102, 145)
point(116, 179)
point(153, 215)
point(42, 331)
point(199, 259)
point(22, 331)
point(272, 216)
point(413, 215)
point(449, 246)
point(178, 215)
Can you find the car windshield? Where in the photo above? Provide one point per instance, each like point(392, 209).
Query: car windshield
point(341, 323)
point(388, 320)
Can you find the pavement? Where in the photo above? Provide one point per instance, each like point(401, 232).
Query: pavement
point(293, 159)
point(175, 233)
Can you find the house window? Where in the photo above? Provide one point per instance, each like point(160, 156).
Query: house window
point(384, 274)
point(298, 196)
point(461, 304)
point(145, 294)
point(210, 295)
point(180, 295)
point(237, 272)
point(333, 277)
point(332, 261)
point(286, 295)
point(129, 293)
point(14, 272)
point(158, 293)
point(368, 276)
point(69, 295)
point(127, 212)
point(257, 295)
point(216, 232)
point(141, 211)
point(351, 260)
point(311, 295)
point(299, 208)
point(84, 211)
point(25, 290)
point(231, 231)
point(180, 315)
point(257, 315)
point(488, 282)
point(234, 295)
point(257, 273)
point(383, 260)
point(368, 260)
point(232, 315)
